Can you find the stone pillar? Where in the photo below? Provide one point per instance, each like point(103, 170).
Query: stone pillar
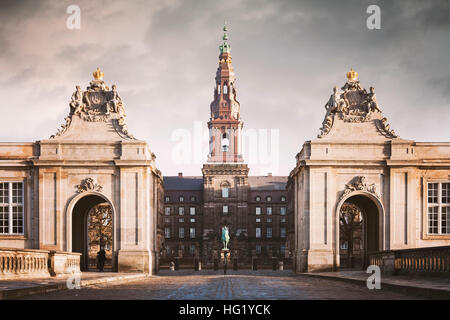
point(135, 261)
point(320, 260)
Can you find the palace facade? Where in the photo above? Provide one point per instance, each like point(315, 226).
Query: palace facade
point(254, 208)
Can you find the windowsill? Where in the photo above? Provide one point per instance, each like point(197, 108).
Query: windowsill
point(436, 237)
point(12, 237)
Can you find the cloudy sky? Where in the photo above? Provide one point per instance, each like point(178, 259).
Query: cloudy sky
point(162, 54)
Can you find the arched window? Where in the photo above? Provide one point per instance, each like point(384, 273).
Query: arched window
point(225, 89)
point(268, 198)
point(225, 143)
point(258, 199)
point(225, 189)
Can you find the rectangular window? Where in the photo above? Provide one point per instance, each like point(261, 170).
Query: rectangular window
point(269, 220)
point(438, 208)
point(166, 199)
point(181, 211)
point(166, 220)
point(225, 192)
point(258, 211)
point(192, 249)
point(167, 211)
point(11, 208)
point(192, 211)
point(269, 210)
point(167, 233)
point(181, 233)
point(283, 232)
point(192, 232)
point(258, 219)
point(269, 232)
point(344, 245)
point(283, 211)
point(283, 220)
point(181, 220)
point(192, 220)
point(258, 232)
point(258, 249)
point(225, 209)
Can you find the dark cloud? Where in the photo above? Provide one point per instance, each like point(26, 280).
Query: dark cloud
point(287, 55)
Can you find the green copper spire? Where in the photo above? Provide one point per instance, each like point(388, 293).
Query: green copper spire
point(225, 47)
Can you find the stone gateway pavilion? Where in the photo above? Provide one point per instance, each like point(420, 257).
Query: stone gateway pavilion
point(51, 191)
point(400, 188)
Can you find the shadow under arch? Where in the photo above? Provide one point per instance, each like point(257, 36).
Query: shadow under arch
point(373, 212)
point(77, 224)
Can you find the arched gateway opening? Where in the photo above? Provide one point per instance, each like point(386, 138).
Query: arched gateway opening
point(92, 230)
point(359, 230)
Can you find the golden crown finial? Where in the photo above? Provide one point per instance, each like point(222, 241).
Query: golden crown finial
point(352, 75)
point(98, 74)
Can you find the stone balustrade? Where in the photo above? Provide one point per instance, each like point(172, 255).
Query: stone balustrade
point(419, 260)
point(22, 263)
point(63, 263)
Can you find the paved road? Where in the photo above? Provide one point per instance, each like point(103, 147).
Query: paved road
point(236, 285)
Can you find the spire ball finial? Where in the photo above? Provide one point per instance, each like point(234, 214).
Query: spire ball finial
point(98, 74)
point(352, 75)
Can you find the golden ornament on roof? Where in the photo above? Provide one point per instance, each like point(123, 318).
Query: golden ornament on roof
point(352, 75)
point(98, 74)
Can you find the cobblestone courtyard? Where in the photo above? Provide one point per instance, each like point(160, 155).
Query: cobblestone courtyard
point(208, 284)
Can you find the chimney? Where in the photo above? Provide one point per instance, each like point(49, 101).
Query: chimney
point(269, 174)
point(180, 174)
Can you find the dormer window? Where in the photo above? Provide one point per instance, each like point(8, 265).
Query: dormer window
point(258, 199)
point(283, 198)
point(181, 199)
point(268, 198)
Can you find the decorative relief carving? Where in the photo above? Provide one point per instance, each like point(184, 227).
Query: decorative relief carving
point(355, 105)
point(63, 128)
point(88, 184)
point(359, 183)
point(97, 104)
point(384, 128)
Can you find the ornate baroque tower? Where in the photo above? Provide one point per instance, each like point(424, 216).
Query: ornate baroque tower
point(225, 175)
point(225, 125)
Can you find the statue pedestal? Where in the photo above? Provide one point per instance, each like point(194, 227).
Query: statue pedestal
point(223, 253)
